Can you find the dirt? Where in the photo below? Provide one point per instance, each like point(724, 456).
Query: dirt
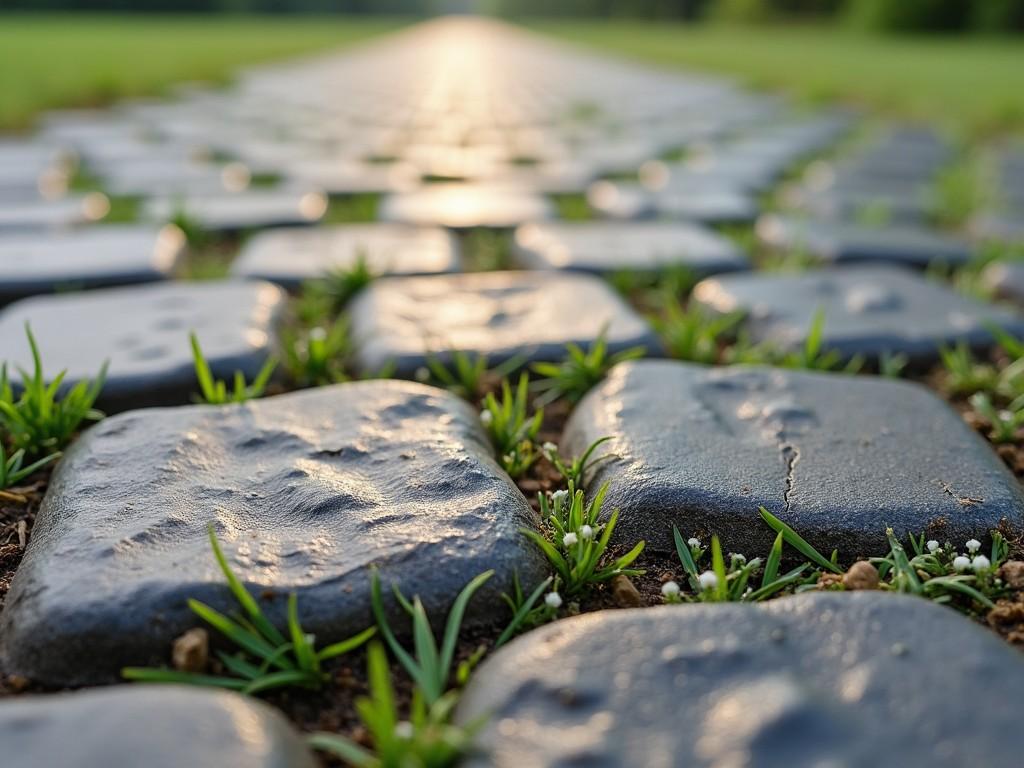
point(18, 506)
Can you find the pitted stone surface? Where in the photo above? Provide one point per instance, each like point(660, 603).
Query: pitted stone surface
point(837, 457)
point(158, 726)
point(88, 258)
point(289, 257)
point(601, 247)
point(868, 310)
point(143, 332)
point(812, 680)
point(237, 211)
point(462, 206)
point(305, 490)
point(504, 315)
point(844, 242)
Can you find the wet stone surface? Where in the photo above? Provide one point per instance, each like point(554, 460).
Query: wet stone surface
point(837, 457)
point(504, 315)
point(305, 490)
point(869, 310)
point(850, 243)
point(164, 726)
point(88, 258)
point(462, 206)
point(289, 257)
point(813, 680)
point(603, 247)
point(143, 332)
point(233, 212)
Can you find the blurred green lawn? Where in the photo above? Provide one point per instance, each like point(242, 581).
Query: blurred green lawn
point(66, 60)
point(972, 84)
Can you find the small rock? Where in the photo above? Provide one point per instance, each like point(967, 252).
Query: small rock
point(191, 651)
point(625, 593)
point(1012, 572)
point(861, 575)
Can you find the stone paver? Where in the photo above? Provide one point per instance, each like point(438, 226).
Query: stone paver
point(1005, 279)
point(400, 320)
point(837, 457)
point(463, 206)
point(711, 205)
point(812, 680)
point(94, 257)
point(306, 491)
point(237, 211)
point(844, 242)
point(602, 247)
point(162, 726)
point(38, 214)
point(289, 257)
point(869, 310)
point(143, 332)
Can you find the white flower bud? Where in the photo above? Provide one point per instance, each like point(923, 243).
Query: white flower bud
point(708, 580)
point(961, 563)
point(558, 497)
point(553, 600)
point(933, 546)
point(486, 418)
point(422, 374)
point(980, 563)
point(586, 532)
point(404, 730)
point(973, 546)
point(569, 539)
point(317, 334)
point(693, 543)
point(670, 589)
point(549, 448)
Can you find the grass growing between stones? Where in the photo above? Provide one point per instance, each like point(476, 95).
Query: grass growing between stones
point(266, 659)
point(214, 391)
point(580, 371)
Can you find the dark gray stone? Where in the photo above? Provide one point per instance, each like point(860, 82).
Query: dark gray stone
point(843, 242)
point(87, 258)
point(837, 457)
point(1005, 279)
point(504, 315)
point(306, 491)
point(868, 310)
point(143, 332)
point(601, 247)
point(232, 212)
point(1001, 227)
point(874, 205)
point(713, 204)
point(463, 206)
point(809, 681)
point(36, 214)
point(289, 257)
point(157, 726)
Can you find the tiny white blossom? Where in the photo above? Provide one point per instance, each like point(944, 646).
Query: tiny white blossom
point(708, 580)
point(549, 448)
point(933, 546)
point(587, 532)
point(692, 543)
point(317, 334)
point(973, 546)
point(403, 730)
point(670, 589)
point(508, 458)
point(569, 539)
point(558, 497)
point(486, 418)
point(739, 558)
point(553, 600)
point(980, 563)
point(422, 374)
point(961, 563)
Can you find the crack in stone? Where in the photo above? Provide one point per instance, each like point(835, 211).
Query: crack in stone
point(964, 501)
point(791, 455)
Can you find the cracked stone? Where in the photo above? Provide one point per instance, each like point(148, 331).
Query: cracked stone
point(601, 247)
point(809, 680)
point(869, 310)
point(305, 490)
point(143, 333)
point(837, 457)
point(289, 257)
point(503, 315)
point(168, 726)
point(96, 257)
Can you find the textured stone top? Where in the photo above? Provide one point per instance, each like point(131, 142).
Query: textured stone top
point(290, 256)
point(306, 491)
point(815, 680)
point(501, 314)
point(158, 726)
point(868, 310)
point(837, 457)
